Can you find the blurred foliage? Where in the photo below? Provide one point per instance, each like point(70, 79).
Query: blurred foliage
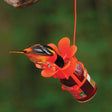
point(22, 89)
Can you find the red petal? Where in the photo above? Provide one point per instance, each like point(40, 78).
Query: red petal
point(65, 49)
point(70, 67)
point(72, 51)
point(64, 45)
point(47, 73)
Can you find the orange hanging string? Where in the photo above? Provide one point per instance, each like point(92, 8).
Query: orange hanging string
point(74, 22)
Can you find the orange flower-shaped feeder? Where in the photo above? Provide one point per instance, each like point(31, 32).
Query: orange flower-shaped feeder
point(67, 53)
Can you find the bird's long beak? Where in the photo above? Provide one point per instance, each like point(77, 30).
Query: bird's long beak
point(22, 52)
point(25, 51)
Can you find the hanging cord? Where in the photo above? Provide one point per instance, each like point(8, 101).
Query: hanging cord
point(74, 22)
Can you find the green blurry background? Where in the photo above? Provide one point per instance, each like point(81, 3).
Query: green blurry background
point(22, 89)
